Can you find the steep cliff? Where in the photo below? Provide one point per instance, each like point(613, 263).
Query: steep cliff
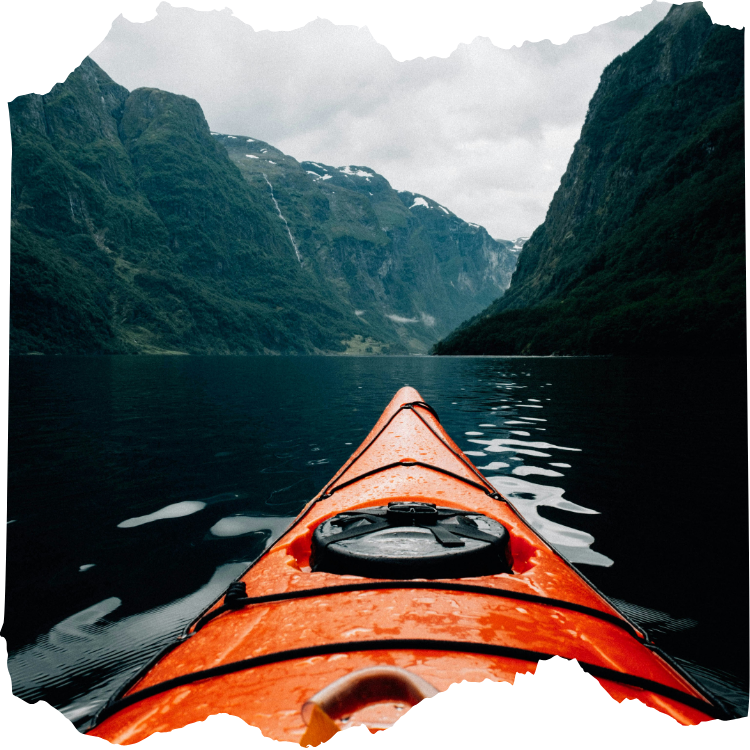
point(642, 249)
point(134, 232)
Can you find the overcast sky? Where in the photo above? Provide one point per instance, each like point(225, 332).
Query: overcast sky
point(486, 131)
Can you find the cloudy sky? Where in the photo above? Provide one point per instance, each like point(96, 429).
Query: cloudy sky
point(485, 131)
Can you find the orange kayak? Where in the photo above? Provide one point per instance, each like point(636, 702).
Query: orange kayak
point(407, 573)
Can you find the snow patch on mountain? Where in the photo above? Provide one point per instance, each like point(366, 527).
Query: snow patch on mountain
point(355, 173)
point(419, 201)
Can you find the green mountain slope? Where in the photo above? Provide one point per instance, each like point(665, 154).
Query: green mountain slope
point(642, 250)
point(134, 232)
point(406, 264)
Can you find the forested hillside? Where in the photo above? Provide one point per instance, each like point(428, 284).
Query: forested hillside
point(643, 247)
point(133, 231)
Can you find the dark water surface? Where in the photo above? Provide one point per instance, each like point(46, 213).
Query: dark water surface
point(139, 487)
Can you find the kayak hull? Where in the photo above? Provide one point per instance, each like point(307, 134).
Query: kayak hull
point(297, 631)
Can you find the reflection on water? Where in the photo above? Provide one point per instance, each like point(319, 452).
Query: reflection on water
point(176, 510)
point(494, 466)
point(242, 525)
point(182, 509)
point(139, 487)
point(524, 471)
point(527, 498)
point(498, 445)
point(99, 653)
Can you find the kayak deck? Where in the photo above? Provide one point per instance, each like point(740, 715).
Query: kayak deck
point(293, 631)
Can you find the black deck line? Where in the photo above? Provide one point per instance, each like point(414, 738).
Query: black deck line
point(487, 649)
point(434, 585)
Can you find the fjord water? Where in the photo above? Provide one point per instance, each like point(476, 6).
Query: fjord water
point(139, 487)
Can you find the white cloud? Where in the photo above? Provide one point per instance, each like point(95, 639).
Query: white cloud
point(485, 131)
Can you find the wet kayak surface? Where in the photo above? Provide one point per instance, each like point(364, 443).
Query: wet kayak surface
point(139, 487)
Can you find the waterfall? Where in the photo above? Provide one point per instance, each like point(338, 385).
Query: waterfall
point(281, 216)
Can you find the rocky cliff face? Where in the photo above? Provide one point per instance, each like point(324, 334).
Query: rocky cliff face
point(642, 249)
point(605, 174)
point(134, 231)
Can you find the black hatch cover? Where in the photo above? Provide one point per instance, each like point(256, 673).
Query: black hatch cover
point(411, 540)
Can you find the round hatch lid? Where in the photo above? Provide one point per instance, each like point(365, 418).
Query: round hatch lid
point(411, 540)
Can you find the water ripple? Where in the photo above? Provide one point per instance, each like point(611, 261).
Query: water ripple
point(101, 654)
point(525, 443)
point(527, 497)
point(523, 471)
point(176, 510)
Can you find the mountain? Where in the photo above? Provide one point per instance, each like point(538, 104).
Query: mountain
point(643, 247)
point(393, 255)
point(133, 231)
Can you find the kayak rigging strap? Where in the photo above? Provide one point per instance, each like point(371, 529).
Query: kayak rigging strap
point(236, 598)
point(482, 484)
point(426, 644)
point(351, 527)
point(395, 464)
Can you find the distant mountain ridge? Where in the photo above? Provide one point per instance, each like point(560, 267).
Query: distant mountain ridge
point(643, 247)
point(135, 230)
point(394, 254)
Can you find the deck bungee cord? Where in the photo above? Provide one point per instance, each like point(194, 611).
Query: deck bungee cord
point(425, 644)
point(233, 601)
point(409, 406)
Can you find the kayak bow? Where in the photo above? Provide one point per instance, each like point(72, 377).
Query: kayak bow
point(407, 573)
